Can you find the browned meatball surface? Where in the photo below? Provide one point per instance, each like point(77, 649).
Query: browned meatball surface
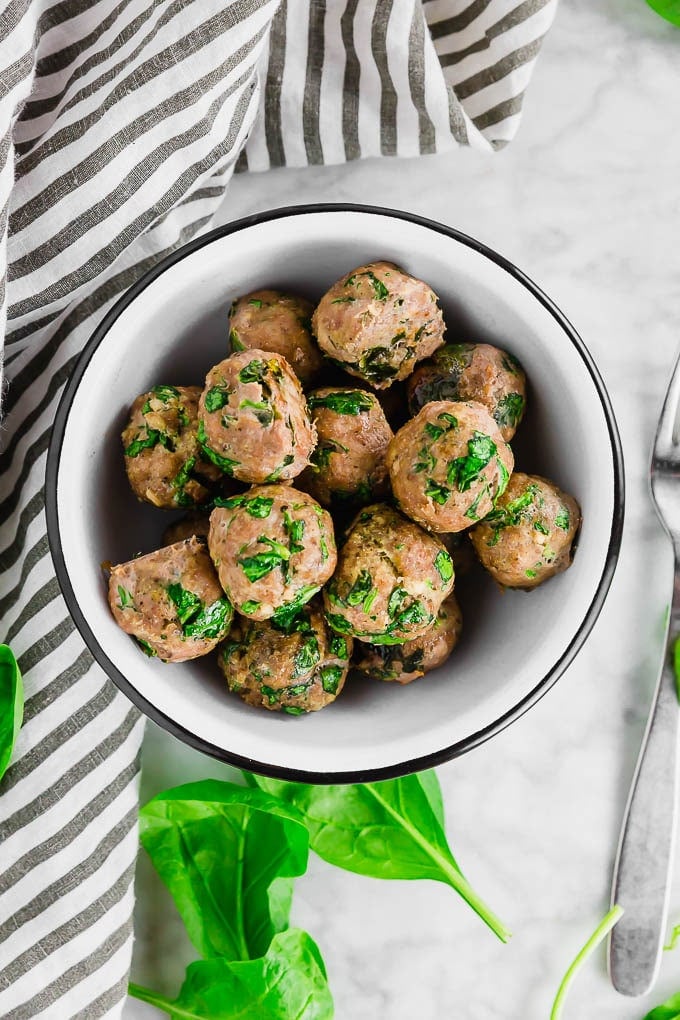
point(390, 581)
point(171, 602)
point(404, 663)
point(195, 523)
point(253, 418)
point(273, 548)
point(268, 320)
point(478, 372)
point(448, 465)
point(528, 537)
point(294, 667)
point(377, 322)
point(349, 460)
point(163, 460)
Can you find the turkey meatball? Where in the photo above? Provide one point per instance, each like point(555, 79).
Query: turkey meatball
point(529, 535)
point(163, 461)
point(295, 666)
point(171, 601)
point(273, 548)
point(448, 465)
point(404, 663)
point(377, 322)
point(391, 579)
point(280, 323)
point(349, 460)
point(478, 372)
point(253, 419)
point(195, 523)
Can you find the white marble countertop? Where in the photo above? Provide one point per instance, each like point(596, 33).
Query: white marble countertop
point(586, 201)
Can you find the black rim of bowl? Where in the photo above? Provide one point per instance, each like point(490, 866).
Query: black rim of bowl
point(400, 768)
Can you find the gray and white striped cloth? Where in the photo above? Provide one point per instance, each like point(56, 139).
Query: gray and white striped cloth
point(121, 122)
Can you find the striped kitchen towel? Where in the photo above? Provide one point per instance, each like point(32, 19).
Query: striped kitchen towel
point(121, 122)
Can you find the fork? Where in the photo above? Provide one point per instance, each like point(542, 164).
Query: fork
point(642, 870)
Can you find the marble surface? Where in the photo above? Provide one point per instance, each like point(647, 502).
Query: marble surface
point(586, 202)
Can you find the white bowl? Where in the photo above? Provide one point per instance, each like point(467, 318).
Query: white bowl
point(171, 327)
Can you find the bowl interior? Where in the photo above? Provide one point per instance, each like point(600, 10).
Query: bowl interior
point(175, 329)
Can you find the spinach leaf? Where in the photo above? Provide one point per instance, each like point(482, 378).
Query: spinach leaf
point(216, 398)
point(600, 933)
point(225, 464)
point(509, 410)
point(11, 705)
point(254, 371)
point(391, 829)
point(146, 440)
point(258, 566)
point(227, 855)
point(562, 518)
point(463, 471)
point(288, 983)
point(285, 615)
point(186, 603)
point(212, 622)
point(444, 565)
point(668, 1010)
point(670, 10)
point(352, 402)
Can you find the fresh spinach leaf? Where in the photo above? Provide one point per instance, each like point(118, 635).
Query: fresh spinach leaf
point(444, 565)
point(11, 705)
point(186, 603)
point(600, 933)
point(668, 1010)
point(391, 829)
point(285, 615)
point(562, 518)
point(670, 10)
point(225, 464)
point(287, 983)
point(227, 854)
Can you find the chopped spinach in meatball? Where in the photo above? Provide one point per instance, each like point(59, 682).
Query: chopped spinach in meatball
point(390, 581)
point(164, 463)
point(528, 537)
point(171, 601)
point(449, 465)
point(478, 372)
point(253, 418)
point(377, 322)
point(268, 320)
point(404, 663)
point(349, 460)
point(273, 547)
point(296, 665)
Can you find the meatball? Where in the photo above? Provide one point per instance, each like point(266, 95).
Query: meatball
point(273, 548)
point(280, 323)
point(294, 666)
point(391, 579)
point(349, 460)
point(406, 662)
point(253, 419)
point(163, 460)
point(478, 372)
point(195, 523)
point(171, 602)
point(528, 537)
point(448, 465)
point(377, 322)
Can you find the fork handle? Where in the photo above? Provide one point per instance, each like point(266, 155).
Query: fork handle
point(642, 869)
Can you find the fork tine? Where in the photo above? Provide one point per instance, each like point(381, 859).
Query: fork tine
point(667, 431)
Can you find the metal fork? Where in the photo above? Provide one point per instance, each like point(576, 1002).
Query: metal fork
point(642, 870)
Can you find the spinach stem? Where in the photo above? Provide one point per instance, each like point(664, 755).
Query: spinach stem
point(602, 930)
point(453, 875)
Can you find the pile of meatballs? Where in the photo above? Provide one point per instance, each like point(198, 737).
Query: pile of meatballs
point(329, 479)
